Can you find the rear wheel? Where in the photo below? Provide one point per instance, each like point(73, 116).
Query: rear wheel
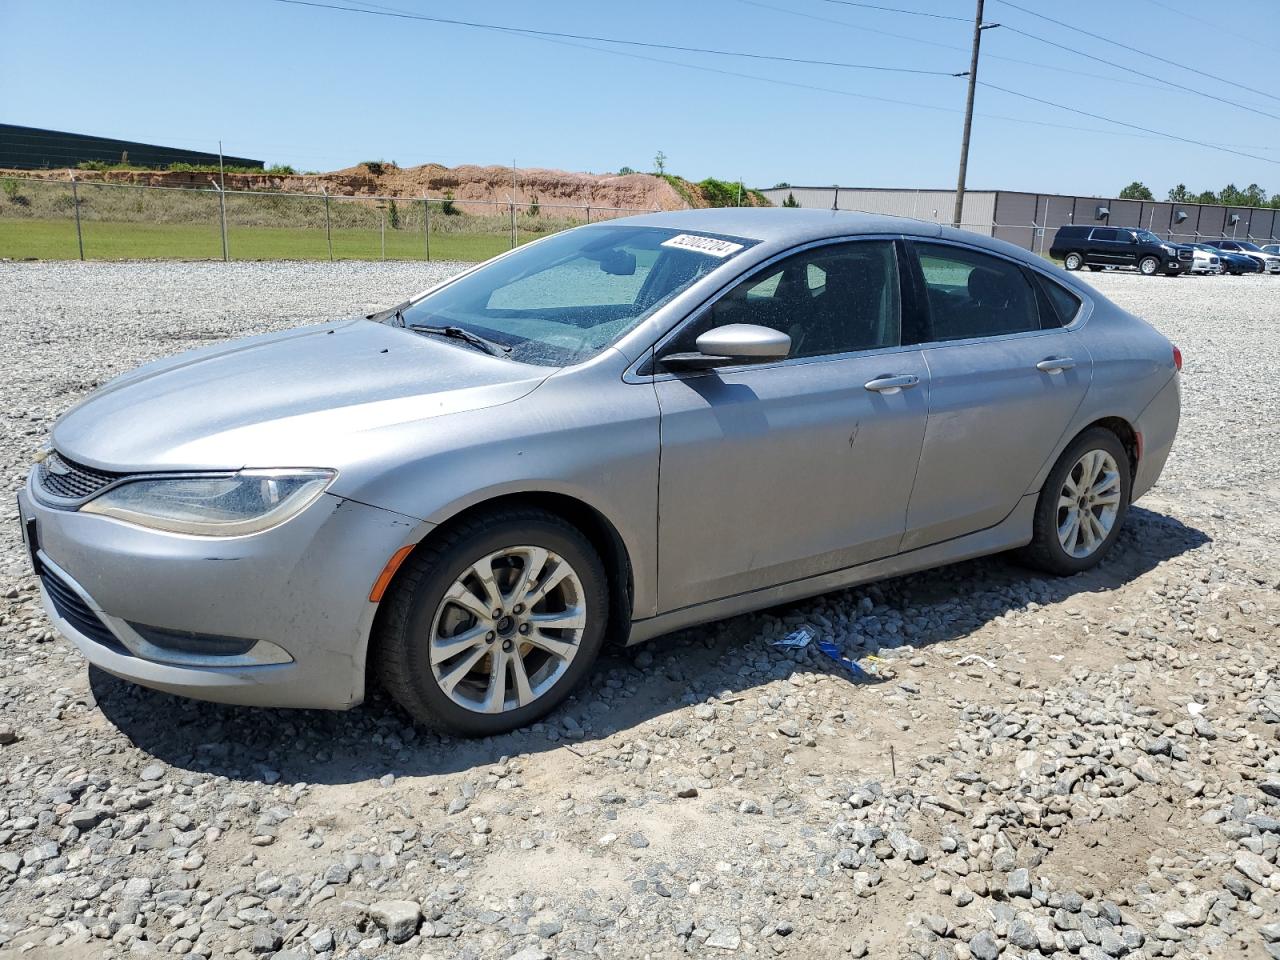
point(1148, 266)
point(1082, 505)
point(491, 626)
point(1073, 261)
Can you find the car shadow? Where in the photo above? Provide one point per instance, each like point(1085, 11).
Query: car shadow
point(627, 688)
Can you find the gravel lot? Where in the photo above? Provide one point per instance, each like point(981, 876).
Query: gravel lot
point(1086, 767)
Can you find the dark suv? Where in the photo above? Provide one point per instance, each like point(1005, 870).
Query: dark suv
point(1098, 247)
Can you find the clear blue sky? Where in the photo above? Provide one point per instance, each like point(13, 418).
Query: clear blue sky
point(321, 89)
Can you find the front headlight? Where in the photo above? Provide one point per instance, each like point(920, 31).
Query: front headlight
point(217, 505)
point(1168, 249)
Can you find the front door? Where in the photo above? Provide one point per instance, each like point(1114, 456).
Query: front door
point(780, 471)
point(1004, 386)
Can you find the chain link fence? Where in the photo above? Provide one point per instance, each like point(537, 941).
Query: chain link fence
point(94, 220)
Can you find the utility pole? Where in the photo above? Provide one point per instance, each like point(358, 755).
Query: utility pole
point(978, 27)
point(222, 203)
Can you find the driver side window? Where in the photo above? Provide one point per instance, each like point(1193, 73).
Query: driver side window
point(830, 300)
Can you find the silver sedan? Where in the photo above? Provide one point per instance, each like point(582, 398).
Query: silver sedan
point(612, 433)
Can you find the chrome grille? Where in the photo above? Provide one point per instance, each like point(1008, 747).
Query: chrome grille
point(61, 478)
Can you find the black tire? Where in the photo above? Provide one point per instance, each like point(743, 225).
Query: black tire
point(1045, 551)
point(1148, 266)
point(401, 655)
point(1073, 261)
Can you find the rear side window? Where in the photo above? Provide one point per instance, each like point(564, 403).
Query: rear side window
point(972, 294)
point(1064, 304)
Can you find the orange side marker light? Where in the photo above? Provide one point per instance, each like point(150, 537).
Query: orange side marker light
point(384, 578)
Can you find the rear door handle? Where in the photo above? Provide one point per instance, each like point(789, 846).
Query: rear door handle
point(1055, 364)
point(892, 384)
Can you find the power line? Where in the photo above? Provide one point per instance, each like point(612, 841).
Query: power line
point(552, 34)
point(1146, 135)
point(1165, 82)
point(1123, 123)
point(1143, 53)
point(552, 37)
point(1210, 23)
point(960, 49)
point(913, 13)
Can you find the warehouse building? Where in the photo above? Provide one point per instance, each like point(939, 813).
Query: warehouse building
point(32, 148)
point(1031, 220)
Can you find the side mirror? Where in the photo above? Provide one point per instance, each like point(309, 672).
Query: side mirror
point(734, 343)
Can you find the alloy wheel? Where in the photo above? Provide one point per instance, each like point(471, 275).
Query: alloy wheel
point(1088, 503)
point(507, 629)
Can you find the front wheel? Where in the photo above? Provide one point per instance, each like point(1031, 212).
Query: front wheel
point(491, 625)
point(1082, 505)
point(1073, 261)
point(1148, 266)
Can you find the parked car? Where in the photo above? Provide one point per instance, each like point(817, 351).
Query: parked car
point(1235, 264)
point(1098, 247)
point(1205, 259)
point(1270, 263)
point(614, 432)
point(1271, 248)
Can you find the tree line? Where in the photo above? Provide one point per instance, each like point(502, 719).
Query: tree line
point(1230, 195)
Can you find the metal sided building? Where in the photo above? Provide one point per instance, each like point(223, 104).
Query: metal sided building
point(1031, 220)
point(31, 148)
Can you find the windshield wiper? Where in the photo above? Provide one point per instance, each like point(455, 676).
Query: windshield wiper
point(490, 347)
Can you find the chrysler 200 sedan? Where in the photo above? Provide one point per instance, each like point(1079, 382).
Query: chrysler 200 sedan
point(614, 432)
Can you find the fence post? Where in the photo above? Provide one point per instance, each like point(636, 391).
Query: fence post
point(588, 213)
point(222, 216)
point(75, 202)
point(426, 219)
point(512, 208)
point(383, 213)
point(328, 234)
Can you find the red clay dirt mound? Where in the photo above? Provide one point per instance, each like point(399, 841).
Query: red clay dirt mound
point(633, 191)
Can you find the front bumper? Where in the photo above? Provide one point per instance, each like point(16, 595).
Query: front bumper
point(290, 603)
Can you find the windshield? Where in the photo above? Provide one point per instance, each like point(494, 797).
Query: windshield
point(565, 299)
point(1245, 245)
point(1146, 236)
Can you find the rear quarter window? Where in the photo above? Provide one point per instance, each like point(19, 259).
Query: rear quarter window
point(1064, 304)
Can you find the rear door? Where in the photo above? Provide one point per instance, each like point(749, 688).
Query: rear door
point(785, 470)
point(1005, 380)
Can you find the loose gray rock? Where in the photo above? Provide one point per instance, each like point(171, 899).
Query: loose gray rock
point(399, 918)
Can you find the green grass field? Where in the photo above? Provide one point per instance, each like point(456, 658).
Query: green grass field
point(103, 240)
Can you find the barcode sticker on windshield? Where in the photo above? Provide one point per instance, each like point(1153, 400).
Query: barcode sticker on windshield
point(708, 245)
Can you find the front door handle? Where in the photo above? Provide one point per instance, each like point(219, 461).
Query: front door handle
point(1055, 364)
point(892, 384)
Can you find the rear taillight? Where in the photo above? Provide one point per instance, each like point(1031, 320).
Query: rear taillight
point(1177, 359)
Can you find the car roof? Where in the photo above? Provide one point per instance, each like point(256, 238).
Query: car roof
point(775, 227)
point(778, 224)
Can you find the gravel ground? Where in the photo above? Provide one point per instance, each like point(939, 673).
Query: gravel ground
point(1085, 767)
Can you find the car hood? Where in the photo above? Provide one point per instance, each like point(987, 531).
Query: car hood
point(303, 398)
